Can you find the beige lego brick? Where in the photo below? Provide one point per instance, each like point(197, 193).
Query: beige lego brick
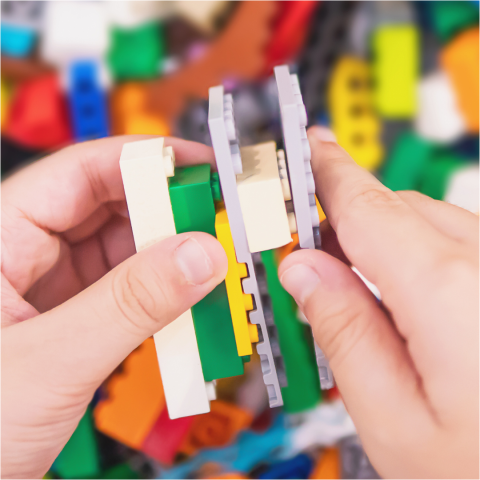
point(261, 198)
point(145, 166)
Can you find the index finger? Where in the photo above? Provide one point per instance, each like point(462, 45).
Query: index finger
point(62, 190)
point(386, 239)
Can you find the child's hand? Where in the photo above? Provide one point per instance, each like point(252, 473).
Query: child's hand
point(64, 227)
point(407, 369)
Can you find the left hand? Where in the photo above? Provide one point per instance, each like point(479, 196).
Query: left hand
point(74, 304)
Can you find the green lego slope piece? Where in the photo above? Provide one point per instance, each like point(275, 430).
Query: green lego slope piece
point(303, 390)
point(451, 17)
point(406, 163)
point(136, 53)
point(79, 457)
point(122, 470)
point(193, 210)
point(438, 173)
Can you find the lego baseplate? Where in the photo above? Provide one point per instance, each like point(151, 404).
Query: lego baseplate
point(227, 154)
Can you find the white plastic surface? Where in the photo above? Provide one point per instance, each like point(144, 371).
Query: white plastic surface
point(151, 216)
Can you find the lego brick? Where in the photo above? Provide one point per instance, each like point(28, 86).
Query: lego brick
point(354, 460)
point(79, 458)
point(236, 297)
point(460, 60)
point(451, 17)
point(21, 22)
point(5, 100)
point(232, 54)
point(324, 371)
point(218, 428)
point(395, 70)
point(136, 53)
point(131, 115)
point(221, 144)
point(145, 166)
point(298, 155)
point(352, 115)
point(328, 465)
point(134, 398)
point(438, 118)
point(193, 210)
point(327, 40)
point(38, 114)
point(203, 15)
point(131, 14)
point(303, 389)
point(261, 198)
point(166, 437)
point(406, 162)
point(64, 35)
point(299, 466)
point(88, 103)
point(463, 188)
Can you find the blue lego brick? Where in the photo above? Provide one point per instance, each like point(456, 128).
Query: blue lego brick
point(296, 467)
point(17, 41)
point(88, 103)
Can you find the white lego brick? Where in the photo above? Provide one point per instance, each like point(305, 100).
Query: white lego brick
point(144, 175)
point(261, 199)
point(438, 118)
point(463, 188)
point(201, 14)
point(75, 30)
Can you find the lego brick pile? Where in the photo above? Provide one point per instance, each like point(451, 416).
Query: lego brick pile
point(397, 82)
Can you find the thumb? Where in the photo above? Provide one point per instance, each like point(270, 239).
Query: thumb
point(80, 342)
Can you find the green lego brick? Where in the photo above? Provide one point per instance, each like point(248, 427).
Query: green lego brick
point(215, 183)
point(295, 339)
point(193, 210)
point(451, 17)
point(406, 163)
point(120, 471)
point(79, 457)
point(136, 53)
point(438, 173)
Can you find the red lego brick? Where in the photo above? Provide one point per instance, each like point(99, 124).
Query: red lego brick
point(38, 116)
point(165, 438)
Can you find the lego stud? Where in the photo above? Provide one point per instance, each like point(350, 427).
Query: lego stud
point(169, 161)
point(236, 159)
point(287, 193)
point(314, 216)
point(310, 183)
point(211, 391)
point(292, 222)
point(307, 153)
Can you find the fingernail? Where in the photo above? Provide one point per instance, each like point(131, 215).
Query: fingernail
point(300, 281)
point(194, 262)
point(323, 134)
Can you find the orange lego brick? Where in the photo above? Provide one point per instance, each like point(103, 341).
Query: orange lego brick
point(135, 398)
point(217, 428)
point(460, 60)
point(328, 465)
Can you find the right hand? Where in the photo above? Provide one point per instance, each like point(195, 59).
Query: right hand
point(408, 367)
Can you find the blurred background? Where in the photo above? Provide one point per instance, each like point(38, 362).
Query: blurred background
point(398, 82)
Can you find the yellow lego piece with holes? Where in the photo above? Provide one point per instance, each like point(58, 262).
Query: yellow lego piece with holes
point(354, 121)
point(239, 302)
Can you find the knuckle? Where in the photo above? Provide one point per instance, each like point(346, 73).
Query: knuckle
point(138, 302)
point(339, 328)
point(374, 197)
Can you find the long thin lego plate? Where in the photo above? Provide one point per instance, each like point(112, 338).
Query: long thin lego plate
point(224, 150)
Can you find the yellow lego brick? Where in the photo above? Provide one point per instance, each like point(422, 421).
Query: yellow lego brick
point(321, 213)
point(236, 297)
point(253, 331)
point(396, 51)
point(354, 121)
point(5, 102)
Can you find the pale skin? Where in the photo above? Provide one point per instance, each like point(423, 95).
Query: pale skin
point(76, 300)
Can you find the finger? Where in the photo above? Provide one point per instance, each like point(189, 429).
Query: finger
point(376, 229)
point(60, 192)
point(369, 360)
point(75, 181)
point(330, 242)
point(80, 342)
point(450, 220)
